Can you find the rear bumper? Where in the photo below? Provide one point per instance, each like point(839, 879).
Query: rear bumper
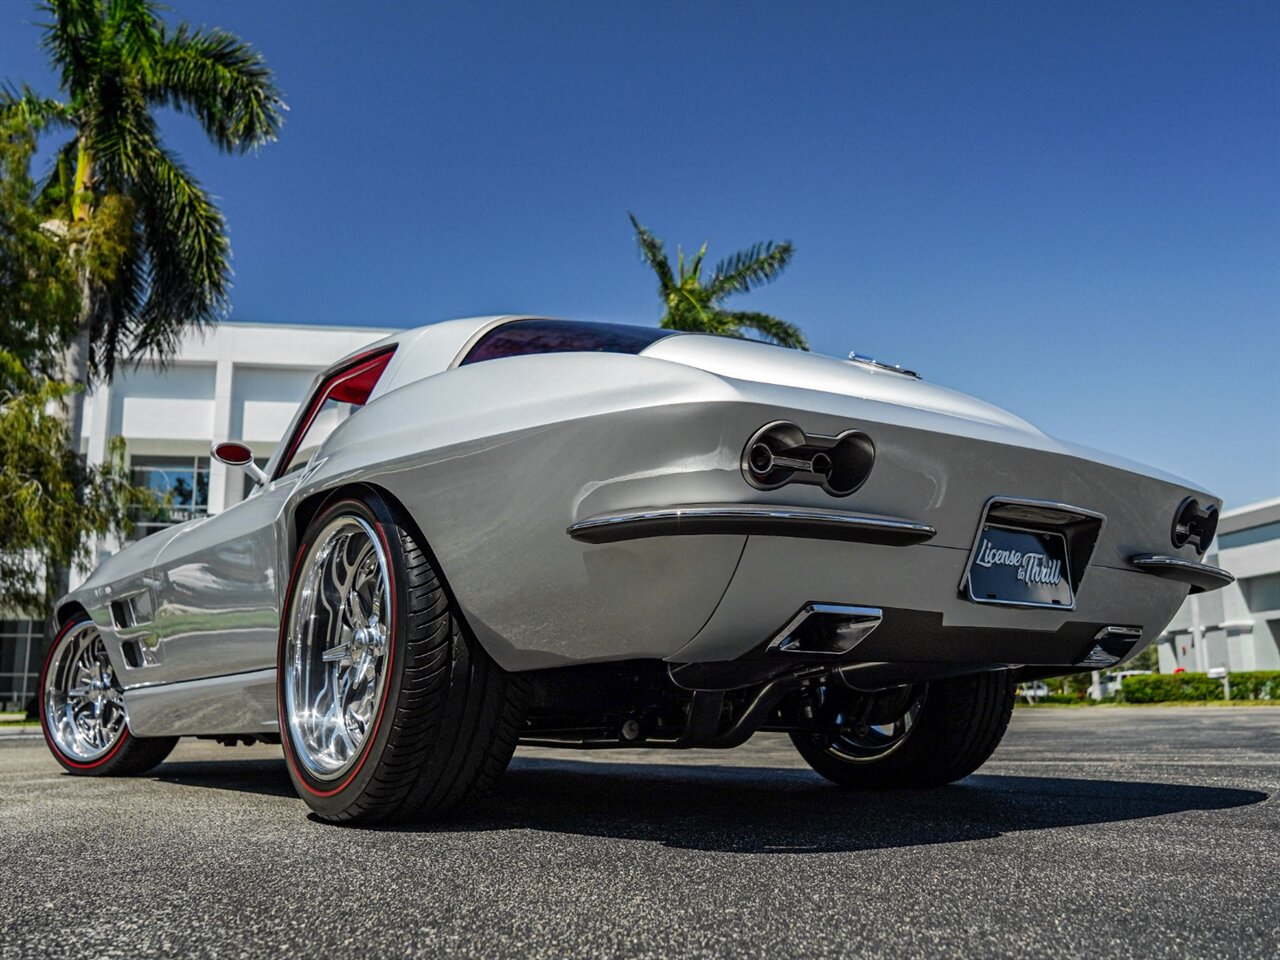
point(926, 621)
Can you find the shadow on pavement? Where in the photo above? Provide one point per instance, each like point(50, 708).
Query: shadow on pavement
point(266, 777)
point(764, 810)
point(734, 809)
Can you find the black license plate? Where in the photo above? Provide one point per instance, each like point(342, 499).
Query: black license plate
point(1024, 568)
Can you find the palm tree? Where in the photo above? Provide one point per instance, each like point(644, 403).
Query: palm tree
point(691, 304)
point(149, 245)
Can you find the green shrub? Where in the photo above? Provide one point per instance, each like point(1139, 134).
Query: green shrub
point(1166, 687)
point(1060, 698)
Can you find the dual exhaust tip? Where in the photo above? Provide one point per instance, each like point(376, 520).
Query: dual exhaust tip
point(781, 453)
point(1195, 525)
point(826, 630)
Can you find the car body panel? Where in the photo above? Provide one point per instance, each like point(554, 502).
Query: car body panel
point(493, 462)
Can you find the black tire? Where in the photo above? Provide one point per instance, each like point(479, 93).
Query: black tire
point(129, 756)
point(961, 721)
point(449, 716)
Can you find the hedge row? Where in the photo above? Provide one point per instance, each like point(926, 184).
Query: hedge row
point(1163, 687)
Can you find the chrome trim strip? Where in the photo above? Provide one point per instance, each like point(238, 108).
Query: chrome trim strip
point(752, 520)
point(235, 703)
point(1201, 576)
point(866, 618)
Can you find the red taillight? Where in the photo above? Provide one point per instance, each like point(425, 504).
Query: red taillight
point(355, 385)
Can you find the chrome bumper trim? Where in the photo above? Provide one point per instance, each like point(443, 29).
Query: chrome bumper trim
point(1201, 576)
point(752, 520)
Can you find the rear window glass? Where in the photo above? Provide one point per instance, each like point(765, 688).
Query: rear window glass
point(520, 337)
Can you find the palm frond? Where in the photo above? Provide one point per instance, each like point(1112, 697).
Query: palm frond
point(747, 269)
point(778, 331)
point(54, 191)
point(116, 307)
point(133, 30)
point(188, 257)
point(122, 135)
point(24, 106)
point(72, 41)
point(653, 253)
point(222, 82)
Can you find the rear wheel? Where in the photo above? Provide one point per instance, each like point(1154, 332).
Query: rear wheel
point(924, 735)
point(389, 710)
point(82, 711)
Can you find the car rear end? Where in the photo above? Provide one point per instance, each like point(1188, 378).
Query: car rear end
point(972, 540)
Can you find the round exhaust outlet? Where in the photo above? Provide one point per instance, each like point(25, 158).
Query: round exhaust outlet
point(1194, 525)
point(780, 453)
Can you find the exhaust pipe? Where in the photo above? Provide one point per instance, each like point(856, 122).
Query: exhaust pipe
point(826, 630)
point(780, 453)
point(1110, 646)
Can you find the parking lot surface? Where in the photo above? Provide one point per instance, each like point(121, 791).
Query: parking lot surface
point(1092, 833)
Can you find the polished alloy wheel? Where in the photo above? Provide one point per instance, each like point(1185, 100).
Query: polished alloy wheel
point(864, 738)
point(83, 700)
point(336, 649)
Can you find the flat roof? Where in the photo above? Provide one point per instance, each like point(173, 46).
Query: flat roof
point(1250, 515)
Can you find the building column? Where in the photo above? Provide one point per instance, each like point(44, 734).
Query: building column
point(99, 424)
point(95, 455)
point(219, 499)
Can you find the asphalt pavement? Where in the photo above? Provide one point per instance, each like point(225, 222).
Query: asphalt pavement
point(1092, 833)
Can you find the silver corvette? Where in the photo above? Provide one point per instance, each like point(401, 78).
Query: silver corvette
point(510, 530)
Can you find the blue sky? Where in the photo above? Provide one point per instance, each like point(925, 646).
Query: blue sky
point(1072, 210)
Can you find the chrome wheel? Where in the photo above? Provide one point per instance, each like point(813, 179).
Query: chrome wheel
point(83, 701)
point(876, 729)
point(336, 650)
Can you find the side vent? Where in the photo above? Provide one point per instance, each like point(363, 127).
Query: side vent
point(781, 453)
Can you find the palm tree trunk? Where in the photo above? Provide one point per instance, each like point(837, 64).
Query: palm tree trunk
point(75, 361)
point(75, 370)
point(81, 199)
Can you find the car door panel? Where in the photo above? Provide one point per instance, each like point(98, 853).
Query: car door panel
point(217, 592)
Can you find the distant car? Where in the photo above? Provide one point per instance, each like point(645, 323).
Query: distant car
point(514, 529)
point(1035, 690)
point(1110, 683)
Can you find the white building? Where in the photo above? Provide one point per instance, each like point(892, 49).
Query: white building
point(240, 381)
point(1238, 627)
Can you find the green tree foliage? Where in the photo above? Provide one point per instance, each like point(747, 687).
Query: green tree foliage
point(692, 303)
point(157, 257)
point(51, 503)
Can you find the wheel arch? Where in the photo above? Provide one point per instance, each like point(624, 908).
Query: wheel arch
point(67, 611)
point(310, 506)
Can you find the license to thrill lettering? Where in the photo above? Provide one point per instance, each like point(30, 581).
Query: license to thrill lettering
point(1031, 567)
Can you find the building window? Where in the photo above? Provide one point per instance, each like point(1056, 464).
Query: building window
point(1250, 535)
point(180, 483)
point(22, 651)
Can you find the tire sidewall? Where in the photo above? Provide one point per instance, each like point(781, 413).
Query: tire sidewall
point(336, 797)
point(102, 764)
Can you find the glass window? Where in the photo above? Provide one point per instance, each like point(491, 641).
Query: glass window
point(521, 337)
point(180, 483)
point(341, 392)
point(331, 413)
point(22, 651)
